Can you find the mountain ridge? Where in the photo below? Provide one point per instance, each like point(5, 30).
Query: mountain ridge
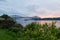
point(35, 18)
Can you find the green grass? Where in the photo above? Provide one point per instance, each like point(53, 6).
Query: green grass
point(2, 19)
point(4, 35)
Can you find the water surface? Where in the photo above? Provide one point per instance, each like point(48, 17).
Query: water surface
point(24, 22)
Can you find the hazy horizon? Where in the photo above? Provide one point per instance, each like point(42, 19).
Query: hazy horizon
point(41, 8)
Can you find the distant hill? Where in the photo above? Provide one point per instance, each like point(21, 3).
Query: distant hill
point(34, 18)
point(58, 18)
point(15, 16)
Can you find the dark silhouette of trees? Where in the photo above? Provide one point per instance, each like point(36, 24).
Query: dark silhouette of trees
point(9, 22)
point(5, 16)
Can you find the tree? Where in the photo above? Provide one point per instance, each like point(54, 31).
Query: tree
point(5, 16)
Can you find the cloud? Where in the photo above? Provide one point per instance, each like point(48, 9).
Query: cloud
point(2, 0)
point(32, 7)
point(2, 12)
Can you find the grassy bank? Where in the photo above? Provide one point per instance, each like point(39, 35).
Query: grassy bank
point(11, 30)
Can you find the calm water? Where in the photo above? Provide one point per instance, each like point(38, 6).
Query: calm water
point(23, 22)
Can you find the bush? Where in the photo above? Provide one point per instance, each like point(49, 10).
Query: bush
point(10, 30)
point(35, 31)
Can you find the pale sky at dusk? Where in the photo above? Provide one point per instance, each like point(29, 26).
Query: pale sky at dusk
point(42, 8)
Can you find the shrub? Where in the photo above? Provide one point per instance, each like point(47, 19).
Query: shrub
point(35, 31)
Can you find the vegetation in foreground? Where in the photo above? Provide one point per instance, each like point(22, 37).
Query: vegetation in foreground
point(11, 30)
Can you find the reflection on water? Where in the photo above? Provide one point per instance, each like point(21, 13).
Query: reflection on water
point(21, 21)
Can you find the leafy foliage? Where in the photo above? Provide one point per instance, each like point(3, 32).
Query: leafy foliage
point(11, 30)
point(35, 31)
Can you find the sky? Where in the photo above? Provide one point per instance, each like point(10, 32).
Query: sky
point(41, 8)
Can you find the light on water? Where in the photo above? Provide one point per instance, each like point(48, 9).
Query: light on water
point(24, 23)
